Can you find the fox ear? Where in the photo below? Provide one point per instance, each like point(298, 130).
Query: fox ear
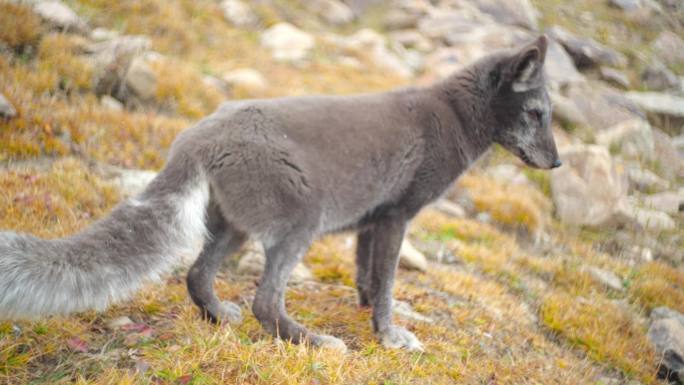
point(527, 65)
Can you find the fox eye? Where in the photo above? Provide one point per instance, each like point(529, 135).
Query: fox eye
point(534, 115)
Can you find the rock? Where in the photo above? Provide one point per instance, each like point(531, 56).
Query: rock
point(450, 208)
point(411, 258)
point(587, 52)
point(630, 213)
point(560, 68)
point(663, 312)
point(397, 19)
point(507, 173)
point(103, 34)
point(129, 182)
point(667, 336)
point(663, 106)
point(247, 78)
point(606, 278)
point(671, 162)
point(670, 202)
point(615, 77)
point(370, 41)
point(253, 261)
point(7, 110)
point(566, 112)
point(404, 310)
point(110, 103)
point(333, 11)
point(412, 39)
point(645, 180)
point(626, 5)
point(601, 106)
point(633, 137)
point(657, 77)
point(238, 13)
point(219, 85)
point(587, 189)
point(287, 42)
point(119, 322)
point(141, 79)
point(520, 13)
point(60, 16)
point(111, 60)
point(669, 47)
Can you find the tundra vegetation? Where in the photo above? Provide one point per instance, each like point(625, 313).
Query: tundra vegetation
point(517, 290)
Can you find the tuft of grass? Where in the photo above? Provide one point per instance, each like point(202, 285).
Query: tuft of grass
point(606, 331)
point(657, 284)
point(21, 27)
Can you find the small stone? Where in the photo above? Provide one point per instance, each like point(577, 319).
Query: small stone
point(247, 78)
point(663, 312)
point(110, 103)
point(404, 310)
point(669, 46)
point(667, 105)
point(607, 278)
point(626, 5)
point(103, 34)
point(333, 11)
point(646, 219)
point(645, 180)
point(615, 77)
point(411, 258)
point(7, 110)
point(238, 13)
point(668, 202)
point(253, 262)
point(450, 208)
point(633, 137)
point(287, 42)
point(141, 79)
point(119, 322)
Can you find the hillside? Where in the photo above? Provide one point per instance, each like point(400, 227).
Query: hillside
point(520, 276)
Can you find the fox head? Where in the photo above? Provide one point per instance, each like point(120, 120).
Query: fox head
point(521, 107)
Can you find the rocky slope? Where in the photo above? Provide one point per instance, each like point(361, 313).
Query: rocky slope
point(516, 276)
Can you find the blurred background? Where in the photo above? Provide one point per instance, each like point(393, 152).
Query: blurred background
point(516, 276)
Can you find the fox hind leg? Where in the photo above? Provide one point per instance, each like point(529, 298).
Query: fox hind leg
point(223, 241)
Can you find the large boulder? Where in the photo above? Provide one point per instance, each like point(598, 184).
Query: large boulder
point(588, 188)
point(602, 107)
point(666, 109)
point(587, 52)
point(560, 68)
point(140, 78)
point(287, 42)
point(633, 137)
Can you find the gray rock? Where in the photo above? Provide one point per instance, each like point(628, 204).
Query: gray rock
point(111, 60)
point(663, 106)
point(627, 5)
point(60, 16)
point(667, 336)
point(287, 42)
point(669, 159)
point(633, 137)
point(587, 52)
point(657, 77)
point(520, 13)
point(601, 106)
point(238, 13)
point(670, 48)
point(7, 110)
point(668, 202)
point(119, 322)
point(110, 103)
point(333, 11)
point(588, 188)
point(247, 78)
point(606, 278)
point(560, 68)
point(632, 214)
point(253, 262)
point(103, 34)
point(412, 39)
point(397, 19)
point(663, 312)
point(615, 77)
point(450, 208)
point(645, 180)
point(141, 79)
point(411, 258)
point(507, 173)
point(129, 182)
point(404, 310)
point(566, 111)
point(370, 41)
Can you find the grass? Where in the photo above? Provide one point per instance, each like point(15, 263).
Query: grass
point(507, 312)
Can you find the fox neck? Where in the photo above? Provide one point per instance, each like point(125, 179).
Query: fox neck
point(468, 101)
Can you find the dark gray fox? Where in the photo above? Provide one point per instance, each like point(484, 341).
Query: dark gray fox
point(284, 172)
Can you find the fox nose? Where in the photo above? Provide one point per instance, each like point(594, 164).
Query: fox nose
point(557, 163)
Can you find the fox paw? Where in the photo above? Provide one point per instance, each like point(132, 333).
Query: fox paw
point(396, 337)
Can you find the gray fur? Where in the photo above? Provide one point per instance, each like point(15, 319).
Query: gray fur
point(286, 171)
